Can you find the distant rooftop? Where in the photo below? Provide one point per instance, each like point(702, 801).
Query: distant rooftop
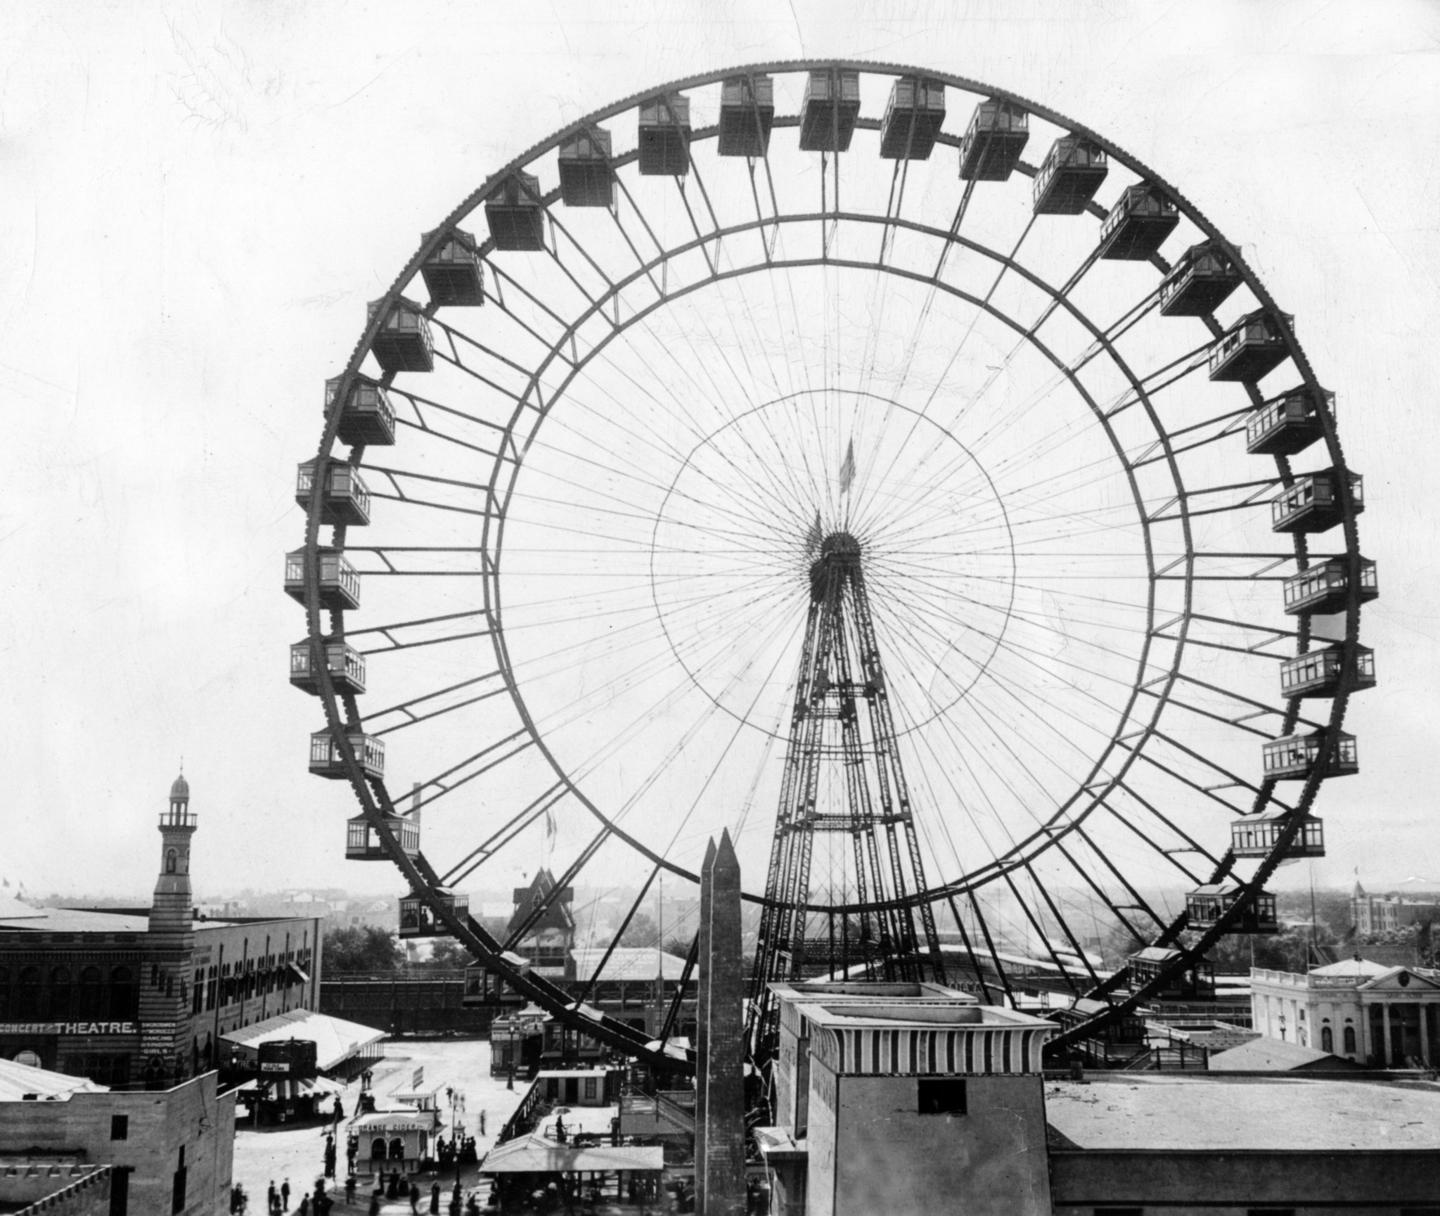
point(635, 963)
point(1202, 1111)
point(1272, 1055)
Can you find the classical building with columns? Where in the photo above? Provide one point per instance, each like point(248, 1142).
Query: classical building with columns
point(1383, 1017)
point(134, 997)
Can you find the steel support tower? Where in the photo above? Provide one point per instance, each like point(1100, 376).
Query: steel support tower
point(873, 931)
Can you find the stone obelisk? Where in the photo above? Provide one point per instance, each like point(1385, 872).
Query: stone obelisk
point(720, 1054)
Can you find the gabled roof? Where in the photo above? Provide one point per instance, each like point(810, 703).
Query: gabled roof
point(19, 1080)
point(1400, 979)
point(1273, 1055)
point(535, 1154)
point(556, 916)
point(335, 1039)
point(1350, 968)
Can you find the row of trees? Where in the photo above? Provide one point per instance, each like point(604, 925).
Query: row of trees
point(376, 951)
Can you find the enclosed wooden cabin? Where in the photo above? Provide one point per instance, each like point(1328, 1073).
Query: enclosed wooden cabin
point(339, 580)
point(345, 664)
point(516, 214)
point(664, 136)
point(1200, 281)
point(829, 111)
point(1069, 176)
point(913, 118)
point(1257, 835)
point(367, 416)
point(747, 113)
point(1287, 424)
point(417, 919)
point(994, 140)
point(484, 988)
point(343, 496)
point(1323, 587)
point(1138, 224)
point(1295, 757)
point(403, 343)
point(362, 841)
point(1311, 503)
point(586, 178)
point(453, 274)
point(1196, 981)
point(1251, 348)
point(1317, 672)
point(325, 759)
point(1205, 905)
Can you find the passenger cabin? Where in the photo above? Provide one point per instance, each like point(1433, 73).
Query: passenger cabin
point(453, 275)
point(1195, 982)
point(345, 664)
point(516, 214)
point(1257, 836)
point(418, 920)
point(913, 118)
point(1287, 424)
point(362, 841)
point(829, 111)
point(484, 988)
point(1071, 173)
point(1205, 906)
point(1323, 588)
point(403, 343)
point(664, 136)
point(339, 580)
point(994, 140)
point(1317, 673)
point(586, 178)
point(747, 113)
point(1251, 348)
point(1138, 224)
point(1311, 503)
point(367, 416)
point(326, 761)
point(1295, 757)
point(343, 496)
point(1200, 281)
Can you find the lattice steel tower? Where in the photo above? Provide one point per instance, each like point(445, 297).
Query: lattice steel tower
point(843, 775)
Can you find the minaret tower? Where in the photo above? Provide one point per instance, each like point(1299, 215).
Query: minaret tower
point(164, 989)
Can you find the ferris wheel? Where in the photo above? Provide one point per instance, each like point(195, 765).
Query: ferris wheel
point(579, 481)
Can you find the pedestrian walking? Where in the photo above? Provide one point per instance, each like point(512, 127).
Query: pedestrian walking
point(435, 1199)
point(414, 1199)
point(285, 1195)
point(272, 1199)
point(304, 1208)
point(375, 1203)
point(350, 1189)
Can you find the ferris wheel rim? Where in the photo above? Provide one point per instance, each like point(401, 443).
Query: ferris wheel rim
point(334, 701)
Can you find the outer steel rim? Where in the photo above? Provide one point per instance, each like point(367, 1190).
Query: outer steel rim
point(341, 709)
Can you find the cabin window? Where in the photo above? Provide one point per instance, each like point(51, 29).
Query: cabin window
point(941, 1096)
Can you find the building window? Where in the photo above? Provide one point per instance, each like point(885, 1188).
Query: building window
point(119, 1127)
point(590, 1089)
point(1327, 1039)
point(1349, 1040)
point(941, 1096)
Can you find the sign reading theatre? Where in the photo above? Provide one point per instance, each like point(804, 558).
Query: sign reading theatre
point(69, 1027)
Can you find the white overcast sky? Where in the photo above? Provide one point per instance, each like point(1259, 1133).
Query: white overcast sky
point(197, 200)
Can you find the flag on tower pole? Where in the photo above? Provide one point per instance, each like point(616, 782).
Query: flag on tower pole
point(847, 469)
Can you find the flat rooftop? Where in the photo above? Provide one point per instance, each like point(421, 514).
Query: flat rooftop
point(1203, 1111)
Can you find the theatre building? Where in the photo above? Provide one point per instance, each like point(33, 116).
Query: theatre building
point(141, 997)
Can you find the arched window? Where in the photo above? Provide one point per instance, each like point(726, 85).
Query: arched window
point(397, 1149)
point(169, 861)
point(124, 994)
point(90, 999)
point(1327, 1039)
point(27, 995)
point(1349, 1040)
point(58, 1005)
point(377, 1148)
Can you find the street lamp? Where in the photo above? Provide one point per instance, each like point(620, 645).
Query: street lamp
point(510, 1079)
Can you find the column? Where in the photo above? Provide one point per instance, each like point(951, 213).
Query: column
point(1385, 1026)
